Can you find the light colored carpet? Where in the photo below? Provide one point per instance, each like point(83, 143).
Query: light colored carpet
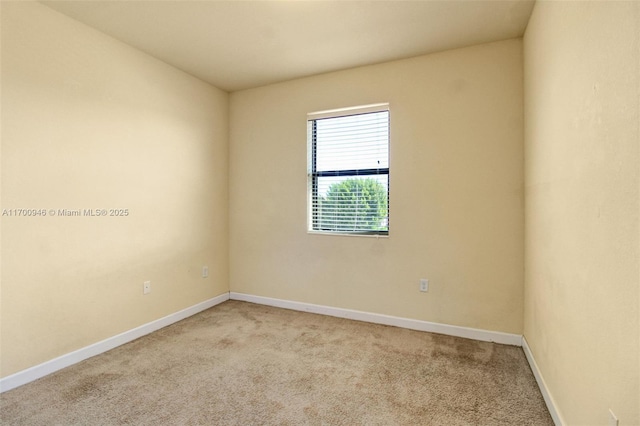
point(245, 364)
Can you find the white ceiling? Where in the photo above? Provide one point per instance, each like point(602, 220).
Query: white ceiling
point(241, 44)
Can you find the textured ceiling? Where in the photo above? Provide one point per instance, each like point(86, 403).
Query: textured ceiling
point(241, 44)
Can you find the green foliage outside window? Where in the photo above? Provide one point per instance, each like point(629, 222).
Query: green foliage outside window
point(355, 205)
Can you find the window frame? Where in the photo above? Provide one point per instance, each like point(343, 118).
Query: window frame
point(313, 174)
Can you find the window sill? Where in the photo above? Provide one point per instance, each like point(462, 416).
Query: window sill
point(348, 234)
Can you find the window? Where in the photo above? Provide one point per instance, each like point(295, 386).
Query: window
point(349, 170)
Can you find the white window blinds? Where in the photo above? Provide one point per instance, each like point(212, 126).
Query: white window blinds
point(349, 170)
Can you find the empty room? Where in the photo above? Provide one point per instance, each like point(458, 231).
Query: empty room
point(320, 212)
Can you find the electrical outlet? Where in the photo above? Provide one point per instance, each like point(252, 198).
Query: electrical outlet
point(424, 285)
point(205, 271)
point(613, 420)
point(146, 287)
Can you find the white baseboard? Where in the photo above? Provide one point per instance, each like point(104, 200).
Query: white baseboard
point(432, 327)
point(548, 399)
point(25, 376)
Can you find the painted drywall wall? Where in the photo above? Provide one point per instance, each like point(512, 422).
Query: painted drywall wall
point(456, 202)
point(90, 123)
point(582, 95)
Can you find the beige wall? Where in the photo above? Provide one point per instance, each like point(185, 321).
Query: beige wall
point(582, 79)
point(456, 191)
point(88, 122)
